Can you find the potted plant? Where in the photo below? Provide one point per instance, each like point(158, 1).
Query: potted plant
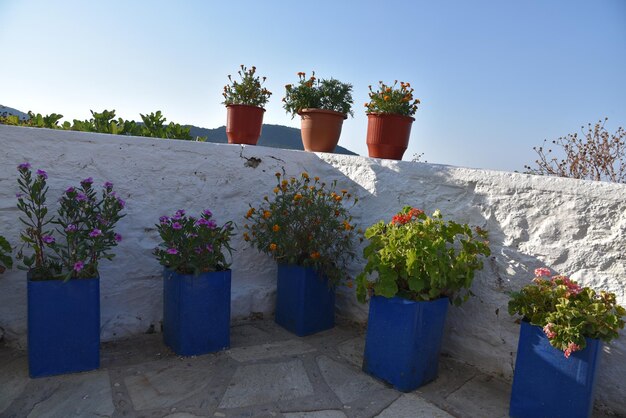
point(6, 262)
point(560, 342)
point(245, 101)
point(389, 118)
point(196, 283)
point(322, 105)
point(307, 229)
point(63, 278)
point(419, 265)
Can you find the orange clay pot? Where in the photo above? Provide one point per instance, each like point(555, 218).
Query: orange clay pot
point(321, 129)
point(243, 124)
point(388, 135)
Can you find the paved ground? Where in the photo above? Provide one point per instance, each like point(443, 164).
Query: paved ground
point(268, 372)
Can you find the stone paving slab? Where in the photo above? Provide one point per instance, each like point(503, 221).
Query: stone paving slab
point(268, 372)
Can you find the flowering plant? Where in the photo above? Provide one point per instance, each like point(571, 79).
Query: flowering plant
point(390, 99)
point(305, 223)
point(84, 224)
point(421, 258)
point(313, 93)
point(193, 245)
point(249, 91)
point(5, 255)
point(567, 312)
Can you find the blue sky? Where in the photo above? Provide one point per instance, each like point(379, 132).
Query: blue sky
point(495, 77)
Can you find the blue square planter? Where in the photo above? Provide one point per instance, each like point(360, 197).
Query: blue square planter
point(196, 312)
point(403, 340)
point(305, 304)
point(63, 326)
point(546, 384)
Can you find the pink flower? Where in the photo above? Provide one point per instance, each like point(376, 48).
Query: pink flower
point(95, 233)
point(548, 331)
point(571, 347)
point(542, 271)
point(172, 251)
point(78, 266)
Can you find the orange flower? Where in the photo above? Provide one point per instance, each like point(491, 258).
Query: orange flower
point(276, 228)
point(386, 98)
point(344, 191)
point(347, 226)
point(246, 237)
point(250, 213)
point(316, 178)
point(305, 175)
point(349, 284)
point(338, 198)
point(276, 190)
point(297, 197)
point(273, 247)
point(277, 174)
point(315, 255)
point(267, 214)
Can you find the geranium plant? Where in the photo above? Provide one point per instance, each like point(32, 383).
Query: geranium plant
point(193, 245)
point(391, 99)
point(306, 223)
point(567, 312)
point(249, 91)
point(421, 258)
point(70, 244)
point(6, 262)
point(314, 93)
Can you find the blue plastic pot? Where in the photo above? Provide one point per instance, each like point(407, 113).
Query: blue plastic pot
point(403, 340)
point(305, 303)
point(63, 326)
point(546, 384)
point(196, 312)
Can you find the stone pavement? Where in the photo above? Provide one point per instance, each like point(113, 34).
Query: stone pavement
point(268, 372)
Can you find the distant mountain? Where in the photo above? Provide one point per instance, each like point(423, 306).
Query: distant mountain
point(276, 136)
point(6, 111)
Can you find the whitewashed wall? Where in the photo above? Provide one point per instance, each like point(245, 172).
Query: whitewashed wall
point(575, 227)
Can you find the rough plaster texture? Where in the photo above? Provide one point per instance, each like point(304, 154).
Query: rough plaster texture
point(576, 227)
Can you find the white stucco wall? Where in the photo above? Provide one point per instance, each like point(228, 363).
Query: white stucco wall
point(576, 227)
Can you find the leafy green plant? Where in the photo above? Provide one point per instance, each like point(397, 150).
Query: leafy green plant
point(313, 93)
point(193, 245)
point(84, 223)
point(305, 223)
point(567, 312)
point(6, 262)
point(249, 91)
point(390, 99)
point(421, 258)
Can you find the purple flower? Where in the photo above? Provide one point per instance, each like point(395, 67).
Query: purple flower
point(193, 235)
point(164, 219)
point(209, 248)
point(19, 195)
point(81, 197)
point(118, 238)
point(101, 220)
point(48, 239)
point(180, 212)
point(70, 190)
point(78, 266)
point(24, 166)
point(202, 221)
point(95, 233)
point(42, 174)
point(176, 225)
point(108, 185)
point(211, 225)
point(87, 182)
point(121, 202)
point(71, 228)
point(198, 250)
point(207, 212)
point(172, 251)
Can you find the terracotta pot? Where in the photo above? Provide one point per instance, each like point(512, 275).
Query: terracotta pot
point(243, 124)
point(388, 135)
point(321, 129)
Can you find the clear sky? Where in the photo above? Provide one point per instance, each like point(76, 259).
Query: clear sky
point(495, 77)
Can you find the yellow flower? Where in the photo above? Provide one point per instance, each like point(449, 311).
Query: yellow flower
point(267, 214)
point(276, 189)
point(276, 228)
point(250, 213)
point(284, 183)
point(297, 197)
point(273, 247)
point(316, 178)
point(305, 175)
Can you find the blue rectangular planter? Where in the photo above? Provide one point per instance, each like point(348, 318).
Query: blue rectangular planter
point(546, 384)
point(196, 312)
point(403, 340)
point(305, 304)
point(63, 326)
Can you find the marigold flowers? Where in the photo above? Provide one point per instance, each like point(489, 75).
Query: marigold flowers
point(248, 91)
point(391, 99)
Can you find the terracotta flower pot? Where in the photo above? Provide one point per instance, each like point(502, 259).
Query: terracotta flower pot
point(321, 129)
point(388, 135)
point(243, 124)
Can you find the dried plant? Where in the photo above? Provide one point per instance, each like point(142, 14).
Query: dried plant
point(596, 155)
